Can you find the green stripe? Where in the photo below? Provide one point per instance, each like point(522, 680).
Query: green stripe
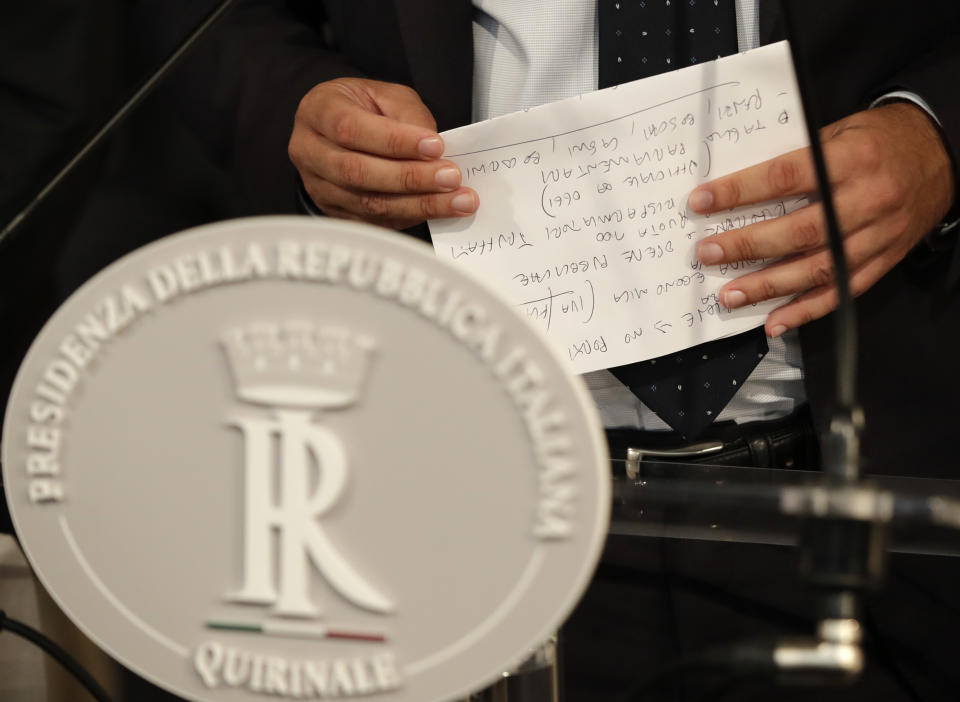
point(235, 626)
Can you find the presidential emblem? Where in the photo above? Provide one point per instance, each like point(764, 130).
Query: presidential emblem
point(294, 458)
point(295, 369)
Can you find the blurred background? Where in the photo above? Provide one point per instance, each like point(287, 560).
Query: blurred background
point(65, 66)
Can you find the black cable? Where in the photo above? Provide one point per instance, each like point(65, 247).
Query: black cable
point(886, 651)
point(887, 660)
point(640, 692)
point(57, 653)
point(752, 658)
point(744, 605)
point(724, 688)
point(928, 593)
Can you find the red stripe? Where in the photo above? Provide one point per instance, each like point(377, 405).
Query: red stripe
point(356, 637)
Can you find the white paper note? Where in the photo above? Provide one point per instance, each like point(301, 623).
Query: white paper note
point(583, 222)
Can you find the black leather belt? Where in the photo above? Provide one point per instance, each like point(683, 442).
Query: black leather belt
point(789, 442)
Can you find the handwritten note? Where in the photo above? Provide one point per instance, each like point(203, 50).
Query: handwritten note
point(583, 221)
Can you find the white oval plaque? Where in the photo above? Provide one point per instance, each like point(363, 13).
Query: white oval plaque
point(305, 459)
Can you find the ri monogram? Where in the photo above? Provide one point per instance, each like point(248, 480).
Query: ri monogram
point(295, 469)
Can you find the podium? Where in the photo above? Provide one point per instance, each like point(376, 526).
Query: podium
point(677, 503)
point(671, 504)
point(745, 505)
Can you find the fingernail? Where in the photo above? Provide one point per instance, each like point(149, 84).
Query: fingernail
point(709, 253)
point(733, 299)
point(700, 200)
point(465, 203)
point(447, 177)
point(777, 331)
point(431, 147)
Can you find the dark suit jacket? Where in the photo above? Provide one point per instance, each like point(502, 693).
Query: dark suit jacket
point(909, 382)
point(59, 74)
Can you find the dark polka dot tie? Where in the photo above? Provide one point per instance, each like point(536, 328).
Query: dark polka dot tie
point(641, 38)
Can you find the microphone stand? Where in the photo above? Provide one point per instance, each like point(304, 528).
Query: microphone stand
point(843, 537)
point(141, 93)
point(11, 229)
point(842, 543)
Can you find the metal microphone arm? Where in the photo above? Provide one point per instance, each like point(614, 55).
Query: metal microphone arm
point(108, 128)
point(141, 93)
point(842, 554)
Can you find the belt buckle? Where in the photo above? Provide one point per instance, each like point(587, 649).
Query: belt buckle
point(636, 455)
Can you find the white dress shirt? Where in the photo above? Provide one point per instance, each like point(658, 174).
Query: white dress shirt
point(537, 51)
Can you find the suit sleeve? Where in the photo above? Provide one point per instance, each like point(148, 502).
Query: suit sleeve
point(58, 78)
point(242, 88)
point(932, 76)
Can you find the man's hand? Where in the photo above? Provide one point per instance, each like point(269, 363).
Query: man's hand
point(369, 150)
point(892, 184)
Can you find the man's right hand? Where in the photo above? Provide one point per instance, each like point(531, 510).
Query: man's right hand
point(370, 151)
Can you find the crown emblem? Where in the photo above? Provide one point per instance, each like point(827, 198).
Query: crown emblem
point(297, 364)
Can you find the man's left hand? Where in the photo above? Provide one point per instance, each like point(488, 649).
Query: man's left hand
point(892, 182)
